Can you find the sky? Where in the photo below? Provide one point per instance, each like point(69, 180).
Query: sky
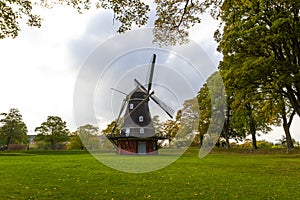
point(41, 69)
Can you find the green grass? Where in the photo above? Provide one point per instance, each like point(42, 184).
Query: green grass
point(78, 175)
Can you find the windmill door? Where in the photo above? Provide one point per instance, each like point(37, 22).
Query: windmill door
point(141, 147)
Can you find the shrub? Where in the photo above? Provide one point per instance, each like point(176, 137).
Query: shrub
point(264, 144)
point(246, 145)
point(16, 147)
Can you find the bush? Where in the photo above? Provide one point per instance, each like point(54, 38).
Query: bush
point(16, 147)
point(264, 144)
point(246, 145)
point(260, 144)
point(46, 146)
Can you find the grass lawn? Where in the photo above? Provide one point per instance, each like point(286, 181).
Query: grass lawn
point(78, 175)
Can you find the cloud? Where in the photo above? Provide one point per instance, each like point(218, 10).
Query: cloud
point(97, 29)
point(35, 72)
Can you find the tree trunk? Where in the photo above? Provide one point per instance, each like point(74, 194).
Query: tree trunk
point(9, 138)
point(252, 126)
point(289, 141)
point(286, 126)
point(254, 145)
point(52, 143)
point(226, 134)
point(226, 128)
point(293, 99)
point(253, 133)
point(8, 141)
point(201, 140)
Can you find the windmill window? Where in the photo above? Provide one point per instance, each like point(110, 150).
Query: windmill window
point(131, 106)
point(141, 118)
point(142, 131)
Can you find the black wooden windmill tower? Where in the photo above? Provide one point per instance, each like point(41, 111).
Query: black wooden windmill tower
point(137, 133)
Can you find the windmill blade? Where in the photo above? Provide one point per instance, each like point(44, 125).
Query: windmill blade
point(139, 84)
point(151, 70)
point(160, 103)
point(120, 113)
point(163, 106)
point(119, 91)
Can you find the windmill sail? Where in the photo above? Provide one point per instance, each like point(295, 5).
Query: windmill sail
point(163, 106)
point(120, 113)
point(160, 103)
point(151, 73)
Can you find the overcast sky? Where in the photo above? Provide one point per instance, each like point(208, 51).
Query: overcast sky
point(39, 69)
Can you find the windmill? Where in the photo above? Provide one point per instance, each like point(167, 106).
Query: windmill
point(137, 133)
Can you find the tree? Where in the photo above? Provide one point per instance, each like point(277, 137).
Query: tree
point(84, 137)
point(260, 47)
point(111, 127)
point(54, 131)
point(170, 127)
point(184, 130)
point(157, 124)
point(283, 141)
point(75, 143)
point(261, 40)
point(286, 113)
point(250, 115)
point(13, 129)
point(204, 103)
point(127, 12)
point(11, 12)
point(214, 119)
point(174, 17)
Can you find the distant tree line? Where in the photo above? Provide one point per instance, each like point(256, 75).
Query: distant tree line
point(52, 134)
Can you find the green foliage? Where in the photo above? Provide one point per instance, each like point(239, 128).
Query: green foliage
point(173, 18)
point(127, 12)
point(156, 123)
point(184, 129)
point(260, 66)
point(54, 132)
point(204, 102)
point(260, 144)
point(264, 144)
point(85, 137)
point(11, 13)
point(260, 45)
point(75, 142)
point(110, 127)
point(13, 129)
point(170, 127)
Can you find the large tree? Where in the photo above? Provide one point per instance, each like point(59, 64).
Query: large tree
point(171, 127)
point(260, 45)
point(204, 102)
point(13, 129)
point(53, 131)
point(185, 128)
point(85, 137)
point(228, 110)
